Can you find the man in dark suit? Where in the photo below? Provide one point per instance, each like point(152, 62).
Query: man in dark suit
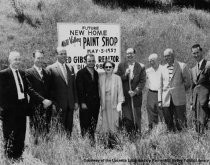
point(63, 89)
point(14, 88)
point(133, 77)
point(88, 96)
point(39, 80)
point(200, 88)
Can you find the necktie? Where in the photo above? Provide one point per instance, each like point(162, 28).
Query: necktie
point(198, 66)
point(41, 73)
point(65, 73)
point(19, 82)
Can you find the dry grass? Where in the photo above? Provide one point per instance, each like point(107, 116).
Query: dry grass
point(145, 30)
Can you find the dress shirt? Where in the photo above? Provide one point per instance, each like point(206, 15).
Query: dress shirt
point(131, 67)
point(39, 70)
point(153, 78)
point(20, 94)
point(199, 64)
point(91, 72)
point(63, 71)
point(170, 70)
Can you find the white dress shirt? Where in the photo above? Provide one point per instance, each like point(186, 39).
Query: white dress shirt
point(39, 70)
point(20, 94)
point(153, 78)
point(62, 69)
point(131, 67)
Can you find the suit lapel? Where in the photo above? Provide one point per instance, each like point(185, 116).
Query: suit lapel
point(60, 72)
point(203, 65)
point(36, 74)
point(175, 69)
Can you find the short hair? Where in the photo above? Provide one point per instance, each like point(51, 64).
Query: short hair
point(152, 56)
point(59, 49)
point(131, 49)
point(196, 46)
point(37, 51)
point(12, 54)
point(108, 61)
point(168, 51)
point(90, 55)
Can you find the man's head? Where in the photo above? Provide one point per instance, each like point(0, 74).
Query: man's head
point(197, 52)
point(169, 56)
point(15, 60)
point(38, 58)
point(61, 54)
point(90, 61)
point(130, 55)
point(153, 60)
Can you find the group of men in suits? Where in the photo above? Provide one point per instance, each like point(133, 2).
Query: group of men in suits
point(57, 92)
point(168, 85)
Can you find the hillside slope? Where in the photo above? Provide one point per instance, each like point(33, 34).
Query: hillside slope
point(145, 30)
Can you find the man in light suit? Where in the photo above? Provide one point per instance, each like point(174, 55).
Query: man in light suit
point(175, 80)
point(63, 89)
point(39, 80)
point(200, 88)
point(133, 77)
point(14, 88)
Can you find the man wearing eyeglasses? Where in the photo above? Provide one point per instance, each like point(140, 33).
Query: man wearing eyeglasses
point(200, 88)
point(133, 77)
point(88, 97)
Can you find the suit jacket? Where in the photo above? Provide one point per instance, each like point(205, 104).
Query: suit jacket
point(87, 88)
point(201, 82)
point(175, 88)
point(41, 85)
point(9, 96)
point(137, 83)
point(64, 95)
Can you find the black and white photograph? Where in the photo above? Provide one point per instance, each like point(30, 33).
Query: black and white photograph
point(104, 82)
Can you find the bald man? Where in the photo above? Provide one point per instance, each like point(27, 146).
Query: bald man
point(152, 83)
point(175, 80)
point(133, 77)
point(14, 88)
point(63, 89)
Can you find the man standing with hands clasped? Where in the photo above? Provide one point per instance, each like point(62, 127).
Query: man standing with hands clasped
point(14, 88)
point(88, 95)
point(133, 77)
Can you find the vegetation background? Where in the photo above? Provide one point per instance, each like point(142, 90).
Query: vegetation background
point(27, 25)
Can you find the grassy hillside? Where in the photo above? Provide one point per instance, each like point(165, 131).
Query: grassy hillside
point(149, 32)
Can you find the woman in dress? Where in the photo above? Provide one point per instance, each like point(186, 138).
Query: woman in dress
point(111, 102)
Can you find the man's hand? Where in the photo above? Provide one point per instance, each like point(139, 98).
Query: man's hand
point(160, 104)
point(131, 93)
point(76, 106)
point(119, 107)
point(84, 106)
point(46, 103)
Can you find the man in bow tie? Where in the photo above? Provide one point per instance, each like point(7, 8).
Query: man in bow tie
point(175, 80)
point(200, 88)
point(14, 88)
point(133, 77)
point(39, 80)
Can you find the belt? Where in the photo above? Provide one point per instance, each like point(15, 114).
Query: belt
point(153, 91)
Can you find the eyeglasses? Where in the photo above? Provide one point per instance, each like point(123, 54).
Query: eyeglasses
point(108, 67)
